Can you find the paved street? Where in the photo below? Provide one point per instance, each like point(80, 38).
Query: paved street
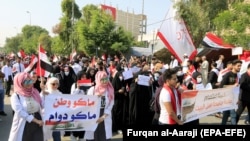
point(7, 120)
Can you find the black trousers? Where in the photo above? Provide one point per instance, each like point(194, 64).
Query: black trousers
point(32, 131)
point(241, 107)
point(79, 134)
point(8, 85)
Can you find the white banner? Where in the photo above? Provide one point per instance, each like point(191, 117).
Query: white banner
point(197, 104)
point(237, 51)
point(71, 112)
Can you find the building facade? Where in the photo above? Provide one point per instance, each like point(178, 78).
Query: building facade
point(134, 23)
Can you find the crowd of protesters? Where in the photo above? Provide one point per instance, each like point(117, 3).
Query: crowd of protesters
point(157, 103)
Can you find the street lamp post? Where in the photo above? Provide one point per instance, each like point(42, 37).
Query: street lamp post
point(96, 51)
point(16, 30)
point(153, 42)
point(152, 49)
point(30, 15)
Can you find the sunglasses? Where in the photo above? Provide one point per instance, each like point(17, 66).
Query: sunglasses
point(28, 82)
point(54, 84)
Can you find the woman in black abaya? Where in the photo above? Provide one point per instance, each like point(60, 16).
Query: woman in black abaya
point(139, 99)
point(120, 108)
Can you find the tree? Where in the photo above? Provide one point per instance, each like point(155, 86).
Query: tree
point(96, 29)
point(198, 16)
point(66, 28)
point(12, 44)
point(122, 41)
point(196, 20)
point(45, 40)
point(28, 40)
point(233, 24)
point(57, 45)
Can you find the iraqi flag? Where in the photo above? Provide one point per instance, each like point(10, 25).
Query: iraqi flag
point(214, 42)
point(174, 34)
point(84, 84)
point(245, 58)
point(55, 59)
point(21, 54)
point(32, 65)
point(44, 66)
point(73, 55)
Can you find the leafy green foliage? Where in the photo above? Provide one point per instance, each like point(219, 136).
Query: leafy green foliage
point(233, 24)
point(28, 40)
point(66, 28)
point(98, 33)
point(57, 46)
point(196, 19)
point(66, 6)
point(12, 44)
point(45, 40)
point(227, 18)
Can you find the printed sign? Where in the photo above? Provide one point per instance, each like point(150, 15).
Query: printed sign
point(71, 112)
point(197, 104)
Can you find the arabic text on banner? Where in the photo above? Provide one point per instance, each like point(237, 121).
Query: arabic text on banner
point(197, 104)
point(71, 112)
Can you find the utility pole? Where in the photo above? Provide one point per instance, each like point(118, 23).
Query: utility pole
point(29, 15)
point(72, 26)
point(153, 42)
point(142, 18)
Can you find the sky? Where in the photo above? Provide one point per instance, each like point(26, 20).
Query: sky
point(14, 14)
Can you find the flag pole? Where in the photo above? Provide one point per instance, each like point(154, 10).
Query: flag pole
point(72, 26)
point(39, 58)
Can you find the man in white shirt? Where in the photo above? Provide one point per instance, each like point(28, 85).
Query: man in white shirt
point(185, 63)
point(204, 69)
point(173, 63)
point(18, 66)
point(8, 77)
point(169, 100)
point(76, 66)
point(219, 62)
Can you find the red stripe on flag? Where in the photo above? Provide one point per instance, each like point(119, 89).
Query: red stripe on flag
point(176, 37)
point(84, 82)
point(43, 60)
point(33, 62)
point(168, 46)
